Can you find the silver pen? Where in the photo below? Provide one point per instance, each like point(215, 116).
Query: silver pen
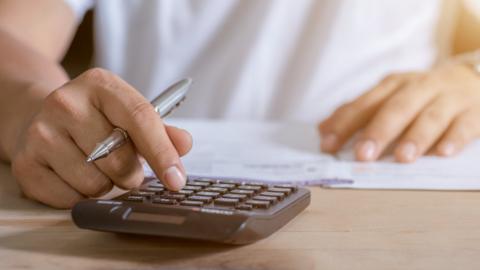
point(164, 104)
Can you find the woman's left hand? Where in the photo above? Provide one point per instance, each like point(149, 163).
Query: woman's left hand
point(436, 112)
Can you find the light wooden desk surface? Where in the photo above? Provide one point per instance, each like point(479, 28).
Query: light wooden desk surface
point(342, 229)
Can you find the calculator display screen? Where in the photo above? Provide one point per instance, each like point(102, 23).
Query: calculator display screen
point(156, 218)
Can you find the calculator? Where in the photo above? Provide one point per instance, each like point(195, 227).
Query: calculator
point(234, 212)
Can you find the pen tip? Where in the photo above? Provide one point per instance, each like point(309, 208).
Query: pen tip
point(89, 159)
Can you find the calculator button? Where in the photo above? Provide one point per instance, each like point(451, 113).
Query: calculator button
point(226, 201)
point(156, 184)
point(135, 198)
point(227, 182)
point(185, 191)
point(200, 198)
point(245, 207)
point(153, 189)
point(195, 188)
point(262, 185)
point(285, 191)
point(242, 191)
point(291, 187)
point(240, 197)
point(272, 200)
point(208, 194)
point(174, 196)
point(164, 201)
point(224, 186)
point(206, 180)
point(247, 187)
point(278, 195)
point(142, 193)
point(216, 189)
point(191, 203)
point(258, 204)
point(199, 184)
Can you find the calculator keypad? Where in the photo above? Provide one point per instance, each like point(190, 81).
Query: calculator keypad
point(243, 196)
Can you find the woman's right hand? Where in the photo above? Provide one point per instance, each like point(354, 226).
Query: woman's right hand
point(49, 158)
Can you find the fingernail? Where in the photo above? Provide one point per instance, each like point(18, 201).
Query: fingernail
point(329, 142)
point(174, 179)
point(446, 149)
point(367, 150)
point(408, 152)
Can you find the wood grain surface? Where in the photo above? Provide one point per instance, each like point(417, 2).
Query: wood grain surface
point(342, 229)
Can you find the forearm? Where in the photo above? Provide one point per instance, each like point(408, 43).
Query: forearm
point(26, 78)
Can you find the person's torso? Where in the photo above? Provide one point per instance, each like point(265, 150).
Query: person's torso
point(270, 59)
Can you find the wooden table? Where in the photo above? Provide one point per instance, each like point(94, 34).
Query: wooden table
point(342, 229)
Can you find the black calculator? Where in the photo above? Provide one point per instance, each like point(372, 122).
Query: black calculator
point(235, 212)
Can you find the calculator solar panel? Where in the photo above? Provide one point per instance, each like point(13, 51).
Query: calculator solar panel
point(205, 209)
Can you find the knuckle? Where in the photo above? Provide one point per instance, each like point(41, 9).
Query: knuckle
point(98, 76)
point(102, 79)
point(107, 82)
point(39, 131)
point(143, 112)
point(61, 102)
point(58, 99)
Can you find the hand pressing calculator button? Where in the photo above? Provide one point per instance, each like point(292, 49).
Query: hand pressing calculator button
point(206, 209)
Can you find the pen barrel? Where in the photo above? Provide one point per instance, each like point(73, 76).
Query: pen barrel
point(116, 139)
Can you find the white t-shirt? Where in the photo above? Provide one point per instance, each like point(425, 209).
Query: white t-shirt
point(271, 59)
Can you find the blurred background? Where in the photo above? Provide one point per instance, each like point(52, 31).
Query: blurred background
point(458, 32)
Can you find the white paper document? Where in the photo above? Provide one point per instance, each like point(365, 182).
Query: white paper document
point(289, 152)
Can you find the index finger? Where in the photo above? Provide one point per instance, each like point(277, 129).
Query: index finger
point(126, 108)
